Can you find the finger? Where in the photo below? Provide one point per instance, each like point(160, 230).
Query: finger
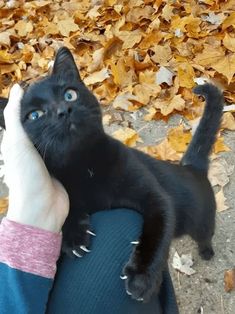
point(12, 110)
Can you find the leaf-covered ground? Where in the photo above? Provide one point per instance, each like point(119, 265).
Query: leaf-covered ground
point(141, 58)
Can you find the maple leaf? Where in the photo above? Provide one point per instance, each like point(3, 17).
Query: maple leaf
point(67, 26)
point(219, 146)
point(183, 263)
point(168, 106)
point(3, 205)
point(127, 135)
point(228, 121)
point(220, 201)
point(219, 172)
point(179, 139)
point(97, 77)
point(24, 27)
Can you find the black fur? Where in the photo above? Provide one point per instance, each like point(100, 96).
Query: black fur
point(100, 173)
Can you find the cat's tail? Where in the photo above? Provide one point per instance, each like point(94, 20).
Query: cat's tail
point(197, 154)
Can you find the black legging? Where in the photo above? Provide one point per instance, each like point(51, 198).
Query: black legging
point(92, 284)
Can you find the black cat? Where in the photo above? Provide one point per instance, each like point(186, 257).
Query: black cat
point(63, 120)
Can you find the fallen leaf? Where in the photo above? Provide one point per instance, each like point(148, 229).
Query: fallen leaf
point(219, 146)
point(183, 263)
point(228, 121)
point(220, 201)
point(219, 172)
point(229, 280)
point(127, 136)
point(168, 106)
point(123, 101)
point(229, 42)
point(179, 139)
point(164, 75)
point(97, 77)
point(162, 54)
point(162, 151)
point(186, 75)
point(23, 27)
point(67, 26)
point(3, 205)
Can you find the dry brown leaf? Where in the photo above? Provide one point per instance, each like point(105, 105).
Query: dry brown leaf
point(228, 121)
point(229, 21)
point(23, 27)
point(67, 26)
point(179, 139)
point(144, 91)
point(219, 146)
point(229, 280)
point(183, 263)
point(229, 42)
point(219, 172)
point(127, 136)
point(164, 151)
point(168, 106)
point(97, 77)
point(3, 205)
point(220, 201)
point(150, 115)
point(162, 54)
point(123, 101)
point(186, 75)
point(130, 38)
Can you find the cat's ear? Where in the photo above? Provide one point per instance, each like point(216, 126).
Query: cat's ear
point(3, 103)
point(64, 64)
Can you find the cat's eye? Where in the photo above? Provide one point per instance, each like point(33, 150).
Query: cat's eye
point(70, 95)
point(36, 114)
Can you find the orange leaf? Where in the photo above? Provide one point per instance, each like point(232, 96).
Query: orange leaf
point(229, 280)
point(3, 205)
point(179, 139)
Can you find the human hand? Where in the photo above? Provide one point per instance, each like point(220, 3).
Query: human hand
point(35, 198)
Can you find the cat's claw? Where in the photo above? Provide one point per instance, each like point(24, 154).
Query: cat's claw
point(91, 233)
point(135, 242)
point(128, 292)
point(76, 253)
point(84, 248)
point(140, 299)
point(124, 277)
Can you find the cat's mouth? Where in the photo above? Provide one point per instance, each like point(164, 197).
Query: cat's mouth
point(73, 128)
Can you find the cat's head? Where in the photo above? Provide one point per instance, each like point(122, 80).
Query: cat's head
point(59, 113)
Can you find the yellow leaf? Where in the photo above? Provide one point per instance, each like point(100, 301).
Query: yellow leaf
point(3, 205)
point(179, 139)
point(163, 151)
point(143, 92)
point(123, 101)
point(220, 201)
point(24, 27)
point(186, 75)
point(228, 121)
point(219, 146)
point(5, 57)
point(168, 106)
point(229, 42)
point(162, 54)
point(209, 56)
point(226, 66)
point(229, 21)
point(150, 115)
point(127, 136)
point(97, 77)
point(130, 38)
point(67, 26)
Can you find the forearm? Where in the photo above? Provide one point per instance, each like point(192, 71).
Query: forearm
point(28, 258)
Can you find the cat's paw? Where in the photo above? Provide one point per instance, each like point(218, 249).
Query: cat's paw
point(76, 241)
point(140, 285)
point(207, 253)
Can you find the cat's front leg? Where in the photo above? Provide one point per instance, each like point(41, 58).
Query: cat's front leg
point(143, 272)
point(77, 236)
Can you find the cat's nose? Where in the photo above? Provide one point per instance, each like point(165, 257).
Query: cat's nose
point(63, 111)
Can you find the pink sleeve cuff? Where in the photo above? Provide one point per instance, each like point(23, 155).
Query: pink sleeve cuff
point(29, 249)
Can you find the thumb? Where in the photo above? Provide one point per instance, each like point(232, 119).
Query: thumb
point(12, 111)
